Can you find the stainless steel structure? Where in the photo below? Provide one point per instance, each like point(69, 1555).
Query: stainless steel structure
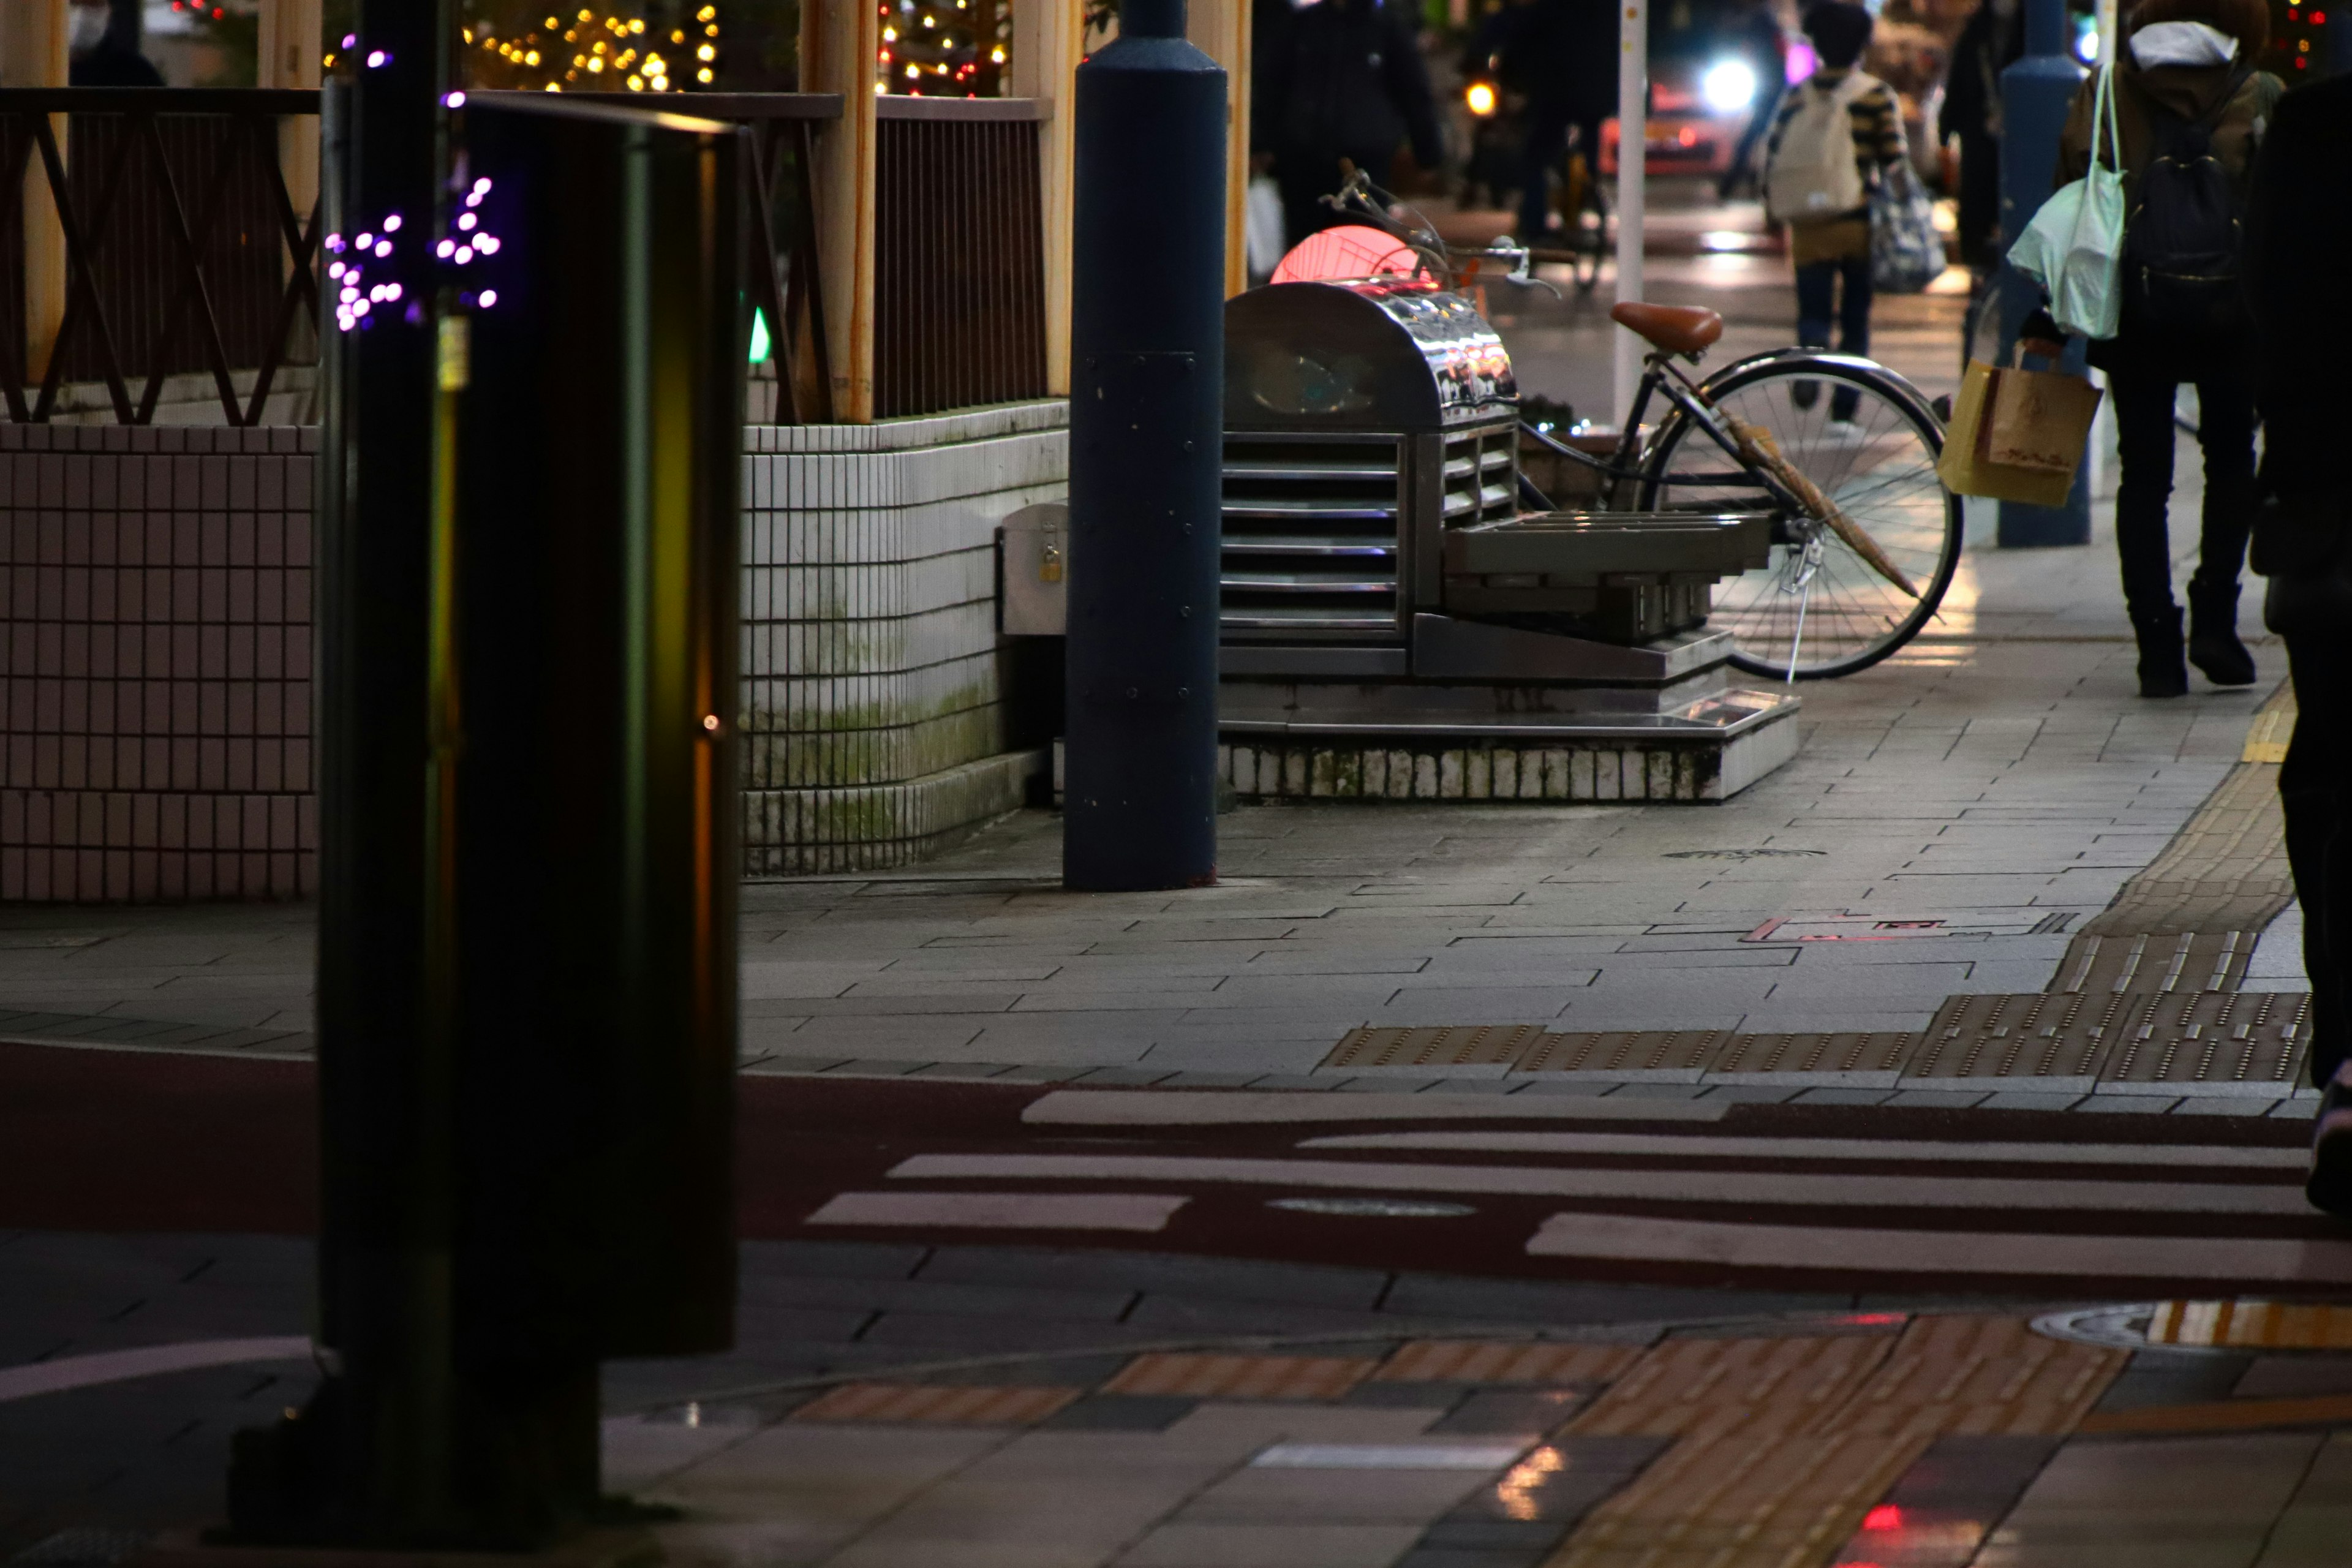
point(1380, 579)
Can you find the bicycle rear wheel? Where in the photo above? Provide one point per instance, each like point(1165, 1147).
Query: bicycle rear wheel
point(1866, 438)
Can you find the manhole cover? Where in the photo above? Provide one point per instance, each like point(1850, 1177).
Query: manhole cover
point(2220, 1326)
point(1741, 854)
point(1373, 1209)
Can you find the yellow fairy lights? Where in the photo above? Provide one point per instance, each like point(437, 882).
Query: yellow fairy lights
point(596, 47)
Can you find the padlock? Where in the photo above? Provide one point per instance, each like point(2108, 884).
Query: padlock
point(1049, 563)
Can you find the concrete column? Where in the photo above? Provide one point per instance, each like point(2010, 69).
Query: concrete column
point(33, 39)
point(838, 42)
point(1632, 175)
point(1049, 38)
point(1221, 30)
point(291, 48)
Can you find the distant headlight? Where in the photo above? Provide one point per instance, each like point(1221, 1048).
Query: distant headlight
point(1728, 87)
point(1480, 98)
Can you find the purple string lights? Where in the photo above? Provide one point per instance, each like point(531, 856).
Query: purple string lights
point(355, 297)
point(358, 301)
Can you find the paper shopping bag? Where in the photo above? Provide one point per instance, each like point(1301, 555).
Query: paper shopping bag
point(1989, 397)
point(2039, 420)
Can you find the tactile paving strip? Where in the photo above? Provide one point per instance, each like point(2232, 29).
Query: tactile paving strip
point(936, 1404)
point(1505, 1360)
point(1454, 1045)
point(1689, 1385)
point(2252, 1325)
point(1658, 1055)
point(1741, 1499)
point(1851, 1058)
point(2193, 1042)
point(1197, 1376)
point(1981, 1377)
point(2174, 961)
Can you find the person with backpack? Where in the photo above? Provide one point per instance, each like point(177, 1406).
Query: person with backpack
point(1837, 133)
point(2189, 110)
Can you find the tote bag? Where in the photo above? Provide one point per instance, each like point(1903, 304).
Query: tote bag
point(2073, 248)
point(1906, 254)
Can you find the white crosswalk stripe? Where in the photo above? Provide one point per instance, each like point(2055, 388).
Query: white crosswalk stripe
point(1865, 1191)
point(2001, 1210)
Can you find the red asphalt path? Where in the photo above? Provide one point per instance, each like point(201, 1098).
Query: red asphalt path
point(136, 1142)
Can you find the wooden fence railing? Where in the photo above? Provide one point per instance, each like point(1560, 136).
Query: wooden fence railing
point(185, 251)
point(178, 227)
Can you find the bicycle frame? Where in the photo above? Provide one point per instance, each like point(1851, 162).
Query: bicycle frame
point(1627, 462)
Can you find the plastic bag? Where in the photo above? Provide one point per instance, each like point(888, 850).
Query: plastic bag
point(1262, 234)
point(2073, 248)
point(1906, 254)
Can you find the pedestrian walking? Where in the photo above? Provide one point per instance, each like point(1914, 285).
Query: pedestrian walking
point(1751, 34)
point(1837, 133)
point(1340, 80)
point(2190, 111)
point(2298, 231)
point(1990, 41)
point(1560, 57)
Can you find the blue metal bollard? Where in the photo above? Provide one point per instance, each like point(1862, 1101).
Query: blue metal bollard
point(1147, 403)
point(2035, 94)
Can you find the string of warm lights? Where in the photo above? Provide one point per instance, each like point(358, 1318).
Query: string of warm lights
point(595, 51)
point(951, 47)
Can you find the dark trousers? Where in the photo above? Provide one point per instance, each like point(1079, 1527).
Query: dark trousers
point(1307, 177)
point(2316, 791)
point(1835, 292)
point(1547, 143)
point(2144, 436)
point(1743, 157)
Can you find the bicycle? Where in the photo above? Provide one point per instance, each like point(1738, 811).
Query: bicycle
point(1584, 209)
point(1841, 450)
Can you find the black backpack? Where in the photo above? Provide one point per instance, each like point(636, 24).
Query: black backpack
point(2182, 237)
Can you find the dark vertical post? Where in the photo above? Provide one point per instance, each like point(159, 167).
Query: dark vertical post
point(388, 1210)
point(1147, 351)
point(2035, 94)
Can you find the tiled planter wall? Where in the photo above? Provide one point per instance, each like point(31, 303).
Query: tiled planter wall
point(156, 669)
point(872, 724)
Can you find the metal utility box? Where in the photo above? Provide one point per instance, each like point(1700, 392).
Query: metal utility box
point(1381, 579)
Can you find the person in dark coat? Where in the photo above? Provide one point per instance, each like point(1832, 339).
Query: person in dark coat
point(1992, 40)
point(1339, 79)
point(1563, 54)
point(105, 49)
point(2181, 60)
point(2298, 231)
point(1752, 36)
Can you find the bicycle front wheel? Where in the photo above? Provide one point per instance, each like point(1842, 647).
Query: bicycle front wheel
point(1868, 441)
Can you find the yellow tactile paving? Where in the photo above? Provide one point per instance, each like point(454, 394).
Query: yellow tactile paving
point(1505, 1360)
point(1472, 1044)
point(1241, 1376)
point(2255, 1325)
point(937, 1404)
point(1786, 1443)
point(1983, 1377)
point(1715, 1385)
point(1742, 1499)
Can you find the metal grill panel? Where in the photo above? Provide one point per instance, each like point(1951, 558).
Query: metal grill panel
point(960, 273)
point(1312, 535)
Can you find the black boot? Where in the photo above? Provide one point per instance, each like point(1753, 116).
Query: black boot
point(2162, 671)
point(2213, 645)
